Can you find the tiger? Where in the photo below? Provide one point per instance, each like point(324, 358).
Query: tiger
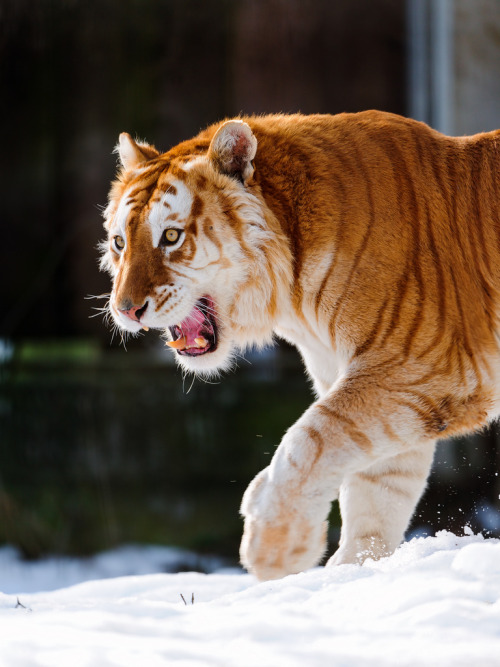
point(368, 241)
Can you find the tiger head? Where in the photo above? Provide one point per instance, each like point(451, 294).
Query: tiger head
point(192, 248)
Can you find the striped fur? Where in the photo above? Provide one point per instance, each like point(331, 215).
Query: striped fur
point(369, 241)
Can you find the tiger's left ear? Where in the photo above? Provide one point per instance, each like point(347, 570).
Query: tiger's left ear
point(232, 149)
point(133, 154)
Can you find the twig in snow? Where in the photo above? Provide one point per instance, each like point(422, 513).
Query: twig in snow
point(20, 604)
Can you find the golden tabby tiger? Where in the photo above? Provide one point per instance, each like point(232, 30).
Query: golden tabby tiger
point(370, 242)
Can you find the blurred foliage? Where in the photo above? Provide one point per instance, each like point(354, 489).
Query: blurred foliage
point(110, 449)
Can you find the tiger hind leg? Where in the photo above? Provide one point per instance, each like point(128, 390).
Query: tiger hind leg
point(377, 504)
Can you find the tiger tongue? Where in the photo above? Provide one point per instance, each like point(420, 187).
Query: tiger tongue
point(191, 330)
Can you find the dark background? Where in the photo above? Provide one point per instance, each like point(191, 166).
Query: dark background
point(97, 445)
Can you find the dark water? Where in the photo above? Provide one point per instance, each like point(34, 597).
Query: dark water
point(98, 448)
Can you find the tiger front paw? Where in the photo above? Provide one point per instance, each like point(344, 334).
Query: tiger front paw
point(277, 540)
point(273, 550)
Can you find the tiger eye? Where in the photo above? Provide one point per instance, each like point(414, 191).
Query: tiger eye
point(119, 243)
point(171, 235)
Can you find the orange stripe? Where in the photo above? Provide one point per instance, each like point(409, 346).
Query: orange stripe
point(339, 234)
point(364, 242)
point(349, 426)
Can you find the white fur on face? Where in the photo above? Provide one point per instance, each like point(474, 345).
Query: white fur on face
point(174, 202)
point(122, 214)
point(116, 226)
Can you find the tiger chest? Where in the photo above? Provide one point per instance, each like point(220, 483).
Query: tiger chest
point(324, 362)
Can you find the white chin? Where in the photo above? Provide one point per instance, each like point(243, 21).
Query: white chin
point(211, 363)
point(130, 326)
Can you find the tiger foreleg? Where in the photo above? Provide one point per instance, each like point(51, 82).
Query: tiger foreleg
point(286, 506)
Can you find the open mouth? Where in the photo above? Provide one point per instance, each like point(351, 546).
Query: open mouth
point(197, 334)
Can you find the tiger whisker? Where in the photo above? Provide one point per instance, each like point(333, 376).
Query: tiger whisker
point(205, 380)
point(97, 296)
point(242, 358)
point(191, 385)
point(105, 312)
point(100, 311)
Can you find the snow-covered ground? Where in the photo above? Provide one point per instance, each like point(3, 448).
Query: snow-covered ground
point(435, 602)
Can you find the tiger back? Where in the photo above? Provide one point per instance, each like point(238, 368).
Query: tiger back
point(371, 243)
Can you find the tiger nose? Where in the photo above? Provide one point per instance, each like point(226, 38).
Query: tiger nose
point(135, 313)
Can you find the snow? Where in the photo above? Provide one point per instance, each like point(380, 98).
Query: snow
point(436, 601)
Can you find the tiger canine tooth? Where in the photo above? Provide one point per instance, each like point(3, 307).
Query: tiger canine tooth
point(178, 344)
point(201, 342)
point(145, 328)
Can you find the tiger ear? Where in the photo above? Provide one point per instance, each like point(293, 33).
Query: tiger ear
point(233, 148)
point(132, 154)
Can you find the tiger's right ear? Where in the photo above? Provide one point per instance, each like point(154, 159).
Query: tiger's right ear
point(132, 154)
point(233, 148)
